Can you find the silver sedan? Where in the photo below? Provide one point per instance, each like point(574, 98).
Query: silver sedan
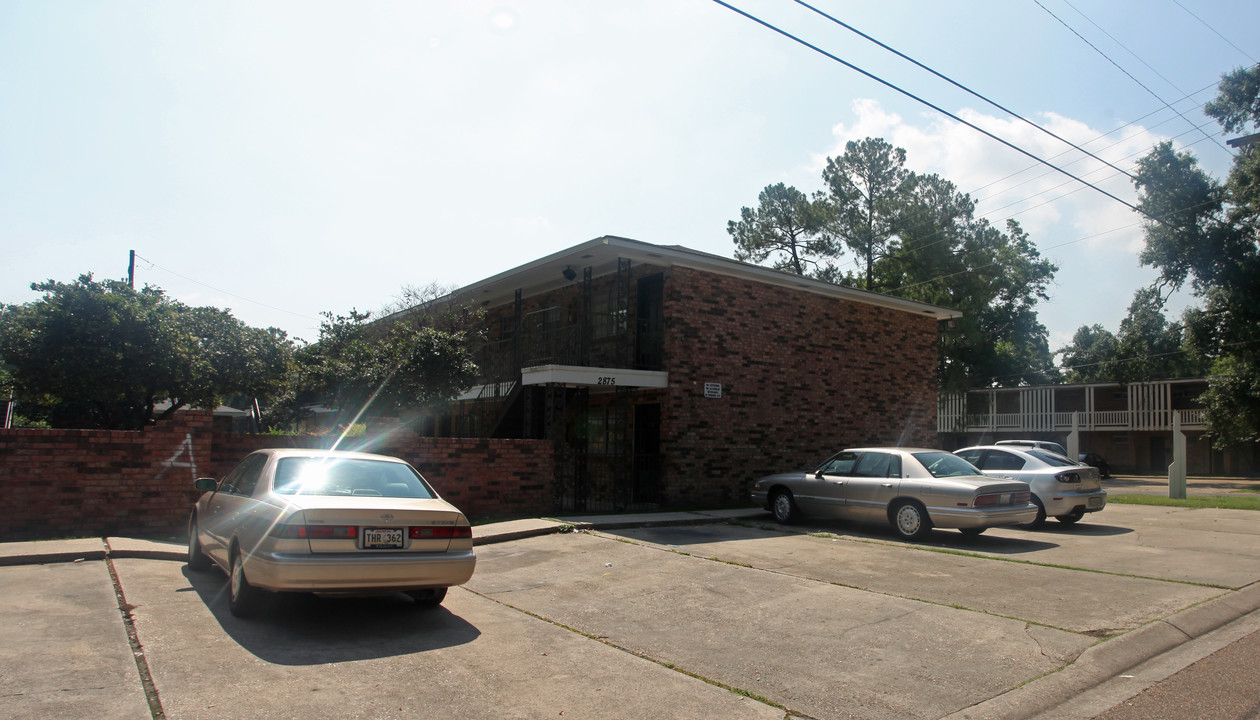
point(914, 490)
point(1062, 489)
point(333, 523)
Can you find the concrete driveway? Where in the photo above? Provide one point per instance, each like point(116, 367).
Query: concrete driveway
point(738, 620)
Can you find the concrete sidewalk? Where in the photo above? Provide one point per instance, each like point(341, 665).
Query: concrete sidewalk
point(1097, 665)
point(42, 552)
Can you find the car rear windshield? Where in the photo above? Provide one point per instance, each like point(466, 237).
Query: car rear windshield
point(943, 464)
point(333, 476)
point(1050, 458)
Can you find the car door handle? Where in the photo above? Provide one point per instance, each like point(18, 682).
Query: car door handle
point(886, 484)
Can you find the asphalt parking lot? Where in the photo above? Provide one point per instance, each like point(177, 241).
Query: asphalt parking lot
point(733, 619)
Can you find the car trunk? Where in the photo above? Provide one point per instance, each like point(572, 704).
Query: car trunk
point(1091, 481)
point(340, 524)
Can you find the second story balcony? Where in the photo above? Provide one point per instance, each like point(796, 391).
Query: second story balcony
point(1149, 406)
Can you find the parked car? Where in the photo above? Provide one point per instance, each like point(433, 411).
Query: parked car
point(1061, 488)
point(1098, 461)
point(912, 489)
point(327, 522)
point(1053, 447)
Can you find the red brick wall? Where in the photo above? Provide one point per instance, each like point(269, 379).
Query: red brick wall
point(802, 376)
point(76, 483)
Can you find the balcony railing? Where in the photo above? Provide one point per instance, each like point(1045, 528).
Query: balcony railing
point(1062, 421)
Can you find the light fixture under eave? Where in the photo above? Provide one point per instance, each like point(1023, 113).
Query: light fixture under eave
point(569, 273)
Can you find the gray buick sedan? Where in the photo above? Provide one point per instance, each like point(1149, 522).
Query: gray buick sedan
point(912, 489)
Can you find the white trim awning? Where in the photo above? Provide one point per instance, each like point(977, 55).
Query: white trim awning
point(594, 376)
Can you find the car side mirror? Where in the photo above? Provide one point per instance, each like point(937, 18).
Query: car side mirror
point(206, 484)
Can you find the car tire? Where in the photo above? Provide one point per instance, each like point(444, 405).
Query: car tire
point(1072, 517)
point(783, 505)
point(910, 519)
point(1039, 521)
point(971, 532)
point(243, 598)
point(197, 559)
point(430, 598)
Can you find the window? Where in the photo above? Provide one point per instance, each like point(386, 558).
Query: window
point(607, 320)
point(244, 477)
point(875, 465)
point(997, 460)
point(839, 464)
point(1050, 458)
point(971, 456)
point(324, 476)
point(603, 431)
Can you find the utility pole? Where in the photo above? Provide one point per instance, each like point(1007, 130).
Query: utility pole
point(131, 270)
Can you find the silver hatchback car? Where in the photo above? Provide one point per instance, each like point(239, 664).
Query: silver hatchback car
point(1062, 489)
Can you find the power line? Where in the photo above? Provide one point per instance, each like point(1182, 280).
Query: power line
point(960, 86)
point(937, 108)
point(1117, 65)
point(1209, 27)
point(225, 292)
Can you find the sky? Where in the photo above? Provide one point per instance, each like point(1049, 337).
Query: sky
point(285, 159)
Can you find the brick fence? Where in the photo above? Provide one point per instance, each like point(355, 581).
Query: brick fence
point(76, 483)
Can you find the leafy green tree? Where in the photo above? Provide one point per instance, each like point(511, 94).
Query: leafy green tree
point(100, 354)
point(867, 189)
point(996, 279)
point(1092, 355)
point(786, 225)
point(1147, 347)
point(401, 363)
point(1205, 234)
point(916, 236)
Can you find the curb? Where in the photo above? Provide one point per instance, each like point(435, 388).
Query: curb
point(1110, 658)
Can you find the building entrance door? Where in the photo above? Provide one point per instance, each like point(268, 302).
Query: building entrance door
point(646, 474)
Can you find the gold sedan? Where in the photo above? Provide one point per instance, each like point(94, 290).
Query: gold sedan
point(328, 522)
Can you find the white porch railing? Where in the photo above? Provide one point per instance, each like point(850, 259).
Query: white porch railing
point(949, 420)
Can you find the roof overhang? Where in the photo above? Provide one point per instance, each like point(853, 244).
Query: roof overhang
point(578, 376)
point(601, 255)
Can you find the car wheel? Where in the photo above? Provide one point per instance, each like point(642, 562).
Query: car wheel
point(1071, 518)
point(197, 559)
point(1040, 520)
point(784, 507)
point(428, 598)
point(971, 532)
point(910, 520)
point(243, 598)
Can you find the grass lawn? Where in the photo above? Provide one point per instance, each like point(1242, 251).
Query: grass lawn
point(1229, 502)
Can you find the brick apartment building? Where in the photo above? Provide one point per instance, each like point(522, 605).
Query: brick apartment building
point(671, 377)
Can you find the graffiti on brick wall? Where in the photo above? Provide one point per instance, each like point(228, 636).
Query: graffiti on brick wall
point(175, 461)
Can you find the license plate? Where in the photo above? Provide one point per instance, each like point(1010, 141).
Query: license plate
point(382, 538)
point(1095, 502)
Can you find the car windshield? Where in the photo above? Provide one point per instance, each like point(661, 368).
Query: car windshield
point(334, 476)
point(1049, 458)
point(943, 464)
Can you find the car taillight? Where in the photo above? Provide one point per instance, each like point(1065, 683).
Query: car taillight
point(1011, 498)
point(316, 532)
point(1068, 478)
point(443, 532)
